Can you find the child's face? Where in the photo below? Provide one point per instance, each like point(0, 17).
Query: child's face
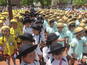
point(51, 24)
point(35, 31)
point(14, 25)
point(57, 57)
point(29, 58)
point(71, 28)
point(28, 25)
point(6, 32)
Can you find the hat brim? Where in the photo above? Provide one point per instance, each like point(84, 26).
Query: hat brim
point(25, 38)
point(36, 28)
point(29, 50)
point(52, 39)
point(78, 32)
point(56, 50)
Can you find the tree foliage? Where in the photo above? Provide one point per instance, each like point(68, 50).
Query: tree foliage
point(3, 2)
point(30, 2)
point(79, 2)
point(46, 2)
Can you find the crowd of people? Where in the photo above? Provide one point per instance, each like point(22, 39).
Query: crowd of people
point(44, 37)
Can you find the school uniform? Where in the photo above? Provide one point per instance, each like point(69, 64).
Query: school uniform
point(38, 40)
point(24, 50)
point(55, 47)
point(34, 63)
point(46, 56)
point(27, 30)
point(46, 49)
point(58, 62)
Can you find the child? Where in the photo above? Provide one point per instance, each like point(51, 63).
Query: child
point(57, 50)
point(27, 54)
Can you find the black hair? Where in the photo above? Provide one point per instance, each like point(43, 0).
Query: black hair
point(59, 51)
point(51, 21)
point(26, 20)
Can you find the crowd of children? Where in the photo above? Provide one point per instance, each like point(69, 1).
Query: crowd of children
point(44, 37)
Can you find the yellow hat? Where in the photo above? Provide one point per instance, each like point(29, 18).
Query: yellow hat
point(80, 16)
point(13, 21)
point(60, 24)
point(4, 13)
point(65, 18)
point(78, 29)
point(20, 17)
point(1, 21)
point(82, 25)
point(71, 22)
point(2, 18)
point(60, 20)
point(83, 21)
point(5, 27)
point(85, 27)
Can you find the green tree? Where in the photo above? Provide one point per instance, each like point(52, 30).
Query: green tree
point(3, 2)
point(26, 2)
point(79, 2)
point(30, 2)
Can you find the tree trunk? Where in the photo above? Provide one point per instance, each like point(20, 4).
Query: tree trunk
point(10, 10)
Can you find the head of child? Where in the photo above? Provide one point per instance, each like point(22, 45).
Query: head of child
point(57, 50)
point(36, 29)
point(5, 30)
point(27, 53)
point(26, 38)
point(29, 58)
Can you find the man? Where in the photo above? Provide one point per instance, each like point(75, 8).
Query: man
point(27, 54)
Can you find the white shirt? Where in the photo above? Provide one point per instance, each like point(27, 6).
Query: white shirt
point(38, 39)
point(27, 30)
point(46, 56)
point(34, 63)
point(57, 62)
